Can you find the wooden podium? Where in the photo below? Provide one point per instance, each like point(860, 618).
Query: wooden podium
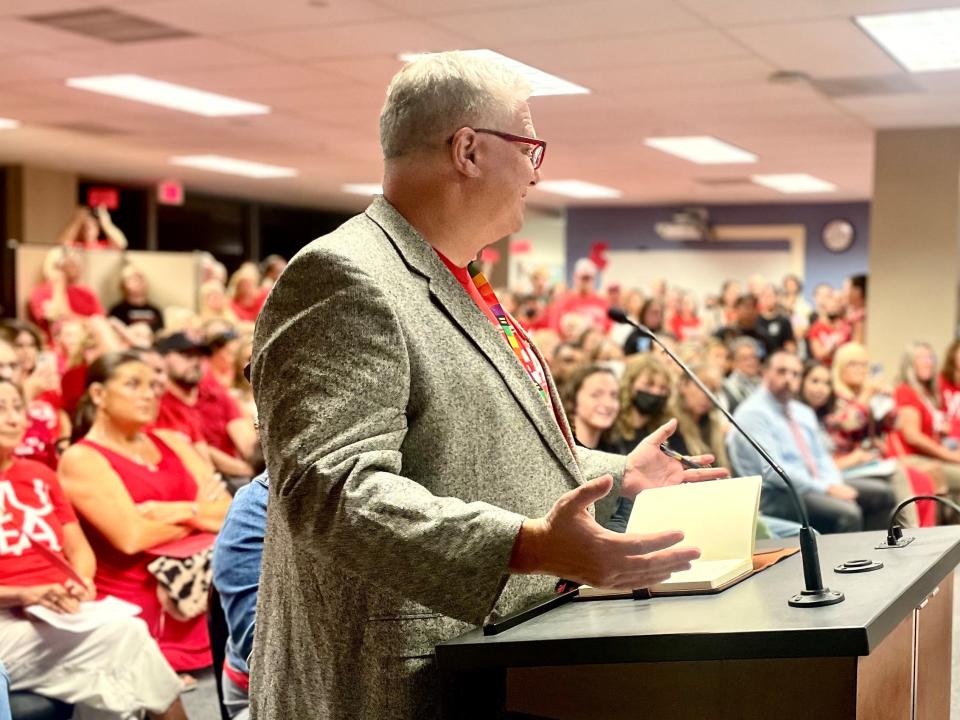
point(743, 654)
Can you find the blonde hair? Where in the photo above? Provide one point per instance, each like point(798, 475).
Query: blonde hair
point(637, 366)
point(247, 271)
point(437, 94)
point(844, 355)
point(689, 428)
point(908, 372)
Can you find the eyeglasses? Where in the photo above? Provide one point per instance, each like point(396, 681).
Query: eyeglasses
point(539, 146)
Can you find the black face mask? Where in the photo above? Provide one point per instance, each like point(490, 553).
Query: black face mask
point(648, 403)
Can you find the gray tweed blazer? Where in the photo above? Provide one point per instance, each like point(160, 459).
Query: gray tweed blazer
point(405, 445)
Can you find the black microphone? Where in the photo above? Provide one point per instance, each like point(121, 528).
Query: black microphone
point(895, 537)
point(814, 593)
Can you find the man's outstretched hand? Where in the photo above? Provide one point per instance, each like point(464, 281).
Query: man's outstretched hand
point(570, 544)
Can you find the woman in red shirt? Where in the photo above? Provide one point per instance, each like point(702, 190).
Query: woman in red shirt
point(949, 387)
point(135, 489)
point(920, 420)
point(246, 296)
point(115, 669)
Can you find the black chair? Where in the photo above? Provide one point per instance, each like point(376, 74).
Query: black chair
point(29, 706)
point(219, 632)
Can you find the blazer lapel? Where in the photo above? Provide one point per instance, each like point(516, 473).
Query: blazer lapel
point(460, 307)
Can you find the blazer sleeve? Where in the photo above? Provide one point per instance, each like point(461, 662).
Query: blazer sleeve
point(593, 464)
point(331, 377)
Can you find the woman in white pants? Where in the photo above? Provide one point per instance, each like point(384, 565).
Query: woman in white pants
point(115, 670)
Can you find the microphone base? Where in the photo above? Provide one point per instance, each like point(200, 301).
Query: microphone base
point(816, 598)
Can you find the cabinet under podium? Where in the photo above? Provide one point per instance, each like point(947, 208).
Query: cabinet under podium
point(742, 654)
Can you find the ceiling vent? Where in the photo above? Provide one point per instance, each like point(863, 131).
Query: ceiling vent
point(110, 25)
point(865, 86)
point(89, 129)
point(722, 181)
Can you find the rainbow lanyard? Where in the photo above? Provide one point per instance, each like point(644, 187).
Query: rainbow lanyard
point(490, 298)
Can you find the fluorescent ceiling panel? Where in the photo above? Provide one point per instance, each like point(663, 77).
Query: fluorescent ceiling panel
point(362, 188)
point(922, 41)
point(794, 183)
point(168, 95)
point(701, 149)
point(543, 83)
point(578, 189)
point(233, 166)
point(8, 124)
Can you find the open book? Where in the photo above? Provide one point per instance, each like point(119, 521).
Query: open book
point(719, 517)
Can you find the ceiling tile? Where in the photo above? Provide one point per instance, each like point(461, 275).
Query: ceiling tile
point(616, 52)
point(600, 18)
point(829, 48)
point(374, 38)
point(728, 13)
point(217, 17)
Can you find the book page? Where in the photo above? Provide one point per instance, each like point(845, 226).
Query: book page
point(719, 516)
point(91, 615)
point(707, 573)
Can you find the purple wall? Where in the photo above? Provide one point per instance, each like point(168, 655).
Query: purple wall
point(632, 228)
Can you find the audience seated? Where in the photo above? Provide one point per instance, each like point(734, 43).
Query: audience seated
point(746, 323)
point(829, 331)
point(270, 268)
point(62, 296)
point(948, 383)
point(566, 358)
point(236, 575)
point(854, 420)
point(591, 398)
point(135, 489)
point(246, 296)
point(686, 324)
point(135, 307)
point(651, 316)
point(774, 324)
point(789, 430)
point(744, 377)
point(856, 315)
point(795, 305)
point(921, 433)
point(43, 432)
point(201, 410)
point(583, 298)
point(701, 428)
point(213, 303)
point(112, 671)
point(644, 391)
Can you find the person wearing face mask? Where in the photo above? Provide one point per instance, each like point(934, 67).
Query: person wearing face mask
point(644, 391)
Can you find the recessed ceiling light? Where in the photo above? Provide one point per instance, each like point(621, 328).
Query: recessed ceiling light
point(921, 41)
point(578, 189)
point(8, 124)
point(168, 95)
point(794, 183)
point(362, 188)
point(543, 83)
point(701, 149)
point(233, 166)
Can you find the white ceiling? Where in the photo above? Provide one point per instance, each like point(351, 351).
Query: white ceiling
point(656, 67)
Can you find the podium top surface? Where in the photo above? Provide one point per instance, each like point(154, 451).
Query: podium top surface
point(749, 620)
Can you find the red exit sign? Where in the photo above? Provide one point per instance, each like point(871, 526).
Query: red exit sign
point(170, 192)
point(108, 197)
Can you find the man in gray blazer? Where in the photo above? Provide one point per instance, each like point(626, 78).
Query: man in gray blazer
point(422, 475)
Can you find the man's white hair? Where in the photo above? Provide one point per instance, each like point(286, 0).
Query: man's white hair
point(437, 94)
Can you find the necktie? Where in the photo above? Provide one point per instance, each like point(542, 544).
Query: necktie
point(802, 446)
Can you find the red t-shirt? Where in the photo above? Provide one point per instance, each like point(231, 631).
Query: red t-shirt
point(592, 307)
point(43, 429)
point(249, 312)
point(180, 417)
point(216, 409)
point(685, 329)
point(72, 386)
point(950, 402)
point(832, 337)
point(83, 301)
point(34, 511)
point(931, 419)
